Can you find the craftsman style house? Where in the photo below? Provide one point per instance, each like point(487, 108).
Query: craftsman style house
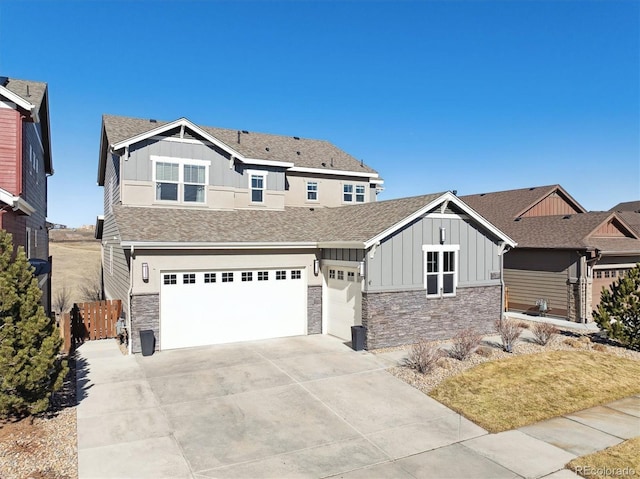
point(212, 236)
point(25, 164)
point(565, 255)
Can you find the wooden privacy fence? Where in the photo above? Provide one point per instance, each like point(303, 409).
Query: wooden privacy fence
point(89, 321)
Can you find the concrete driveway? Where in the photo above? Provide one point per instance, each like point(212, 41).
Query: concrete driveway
point(295, 407)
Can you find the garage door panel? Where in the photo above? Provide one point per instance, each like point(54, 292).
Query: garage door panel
point(222, 312)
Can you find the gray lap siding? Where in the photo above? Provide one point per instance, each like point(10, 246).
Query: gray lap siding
point(405, 317)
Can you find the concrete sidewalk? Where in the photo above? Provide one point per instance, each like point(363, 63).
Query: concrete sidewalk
point(302, 407)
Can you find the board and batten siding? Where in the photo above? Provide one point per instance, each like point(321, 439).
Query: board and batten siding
point(398, 263)
point(138, 166)
point(116, 280)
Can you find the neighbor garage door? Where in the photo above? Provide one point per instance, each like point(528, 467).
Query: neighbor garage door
point(222, 306)
point(343, 301)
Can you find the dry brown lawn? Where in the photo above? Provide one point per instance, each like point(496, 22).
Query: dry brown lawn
point(73, 261)
point(514, 392)
point(621, 460)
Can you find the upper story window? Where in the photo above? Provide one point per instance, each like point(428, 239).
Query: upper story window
point(352, 192)
point(257, 185)
point(441, 269)
point(194, 183)
point(347, 193)
point(180, 180)
point(312, 191)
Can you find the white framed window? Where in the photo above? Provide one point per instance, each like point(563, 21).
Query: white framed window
point(257, 185)
point(170, 279)
point(180, 180)
point(209, 277)
point(167, 177)
point(312, 191)
point(332, 274)
point(341, 275)
point(296, 274)
point(360, 193)
point(440, 269)
point(247, 276)
point(351, 276)
point(189, 278)
point(280, 275)
point(347, 193)
point(263, 276)
point(194, 183)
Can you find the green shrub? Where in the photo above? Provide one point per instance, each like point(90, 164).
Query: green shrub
point(30, 366)
point(618, 313)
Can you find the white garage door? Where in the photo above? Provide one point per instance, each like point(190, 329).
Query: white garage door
point(214, 307)
point(344, 301)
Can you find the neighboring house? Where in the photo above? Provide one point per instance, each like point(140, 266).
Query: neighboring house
point(25, 164)
point(213, 236)
point(565, 255)
point(633, 206)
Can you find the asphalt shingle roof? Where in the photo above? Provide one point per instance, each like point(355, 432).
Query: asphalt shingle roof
point(557, 231)
point(302, 152)
point(346, 223)
point(31, 91)
point(627, 206)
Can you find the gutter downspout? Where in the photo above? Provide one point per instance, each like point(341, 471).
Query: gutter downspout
point(501, 250)
point(129, 295)
point(589, 264)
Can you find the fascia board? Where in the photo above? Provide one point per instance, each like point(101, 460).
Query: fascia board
point(16, 203)
point(178, 245)
point(342, 244)
point(322, 171)
point(258, 162)
point(180, 122)
point(448, 196)
point(17, 99)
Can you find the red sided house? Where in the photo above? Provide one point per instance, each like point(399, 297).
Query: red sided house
point(25, 164)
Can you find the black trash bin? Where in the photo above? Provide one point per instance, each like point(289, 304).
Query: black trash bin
point(357, 337)
point(147, 342)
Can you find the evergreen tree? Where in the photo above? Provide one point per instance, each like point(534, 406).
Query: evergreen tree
point(618, 313)
point(30, 365)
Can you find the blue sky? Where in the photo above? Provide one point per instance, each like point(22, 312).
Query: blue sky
point(473, 96)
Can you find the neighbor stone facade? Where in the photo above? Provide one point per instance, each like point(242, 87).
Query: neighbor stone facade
point(404, 317)
point(145, 314)
point(314, 310)
point(580, 300)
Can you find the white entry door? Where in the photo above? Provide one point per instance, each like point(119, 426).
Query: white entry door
point(199, 308)
point(343, 300)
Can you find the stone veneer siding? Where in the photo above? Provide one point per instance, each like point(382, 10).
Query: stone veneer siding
point(576, 293)
point(405, 317)
point(314, 310)
point(145, 314)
